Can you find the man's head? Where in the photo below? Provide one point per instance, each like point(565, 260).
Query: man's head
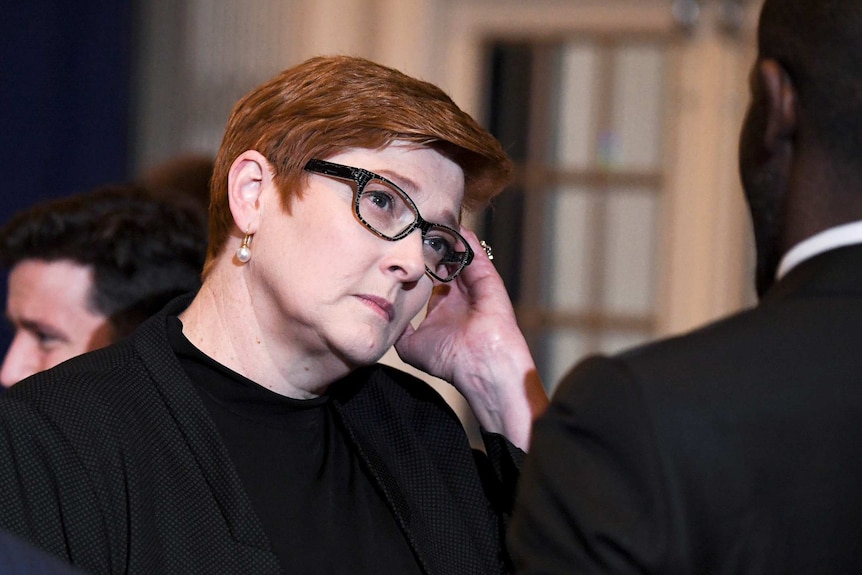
point(328, 105)
point(182, 177)
point(801, 144)
point(85, 270)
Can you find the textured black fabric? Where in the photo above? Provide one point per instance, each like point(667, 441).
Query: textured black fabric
point(112, 462)
point(296, 466)
point(733, 449)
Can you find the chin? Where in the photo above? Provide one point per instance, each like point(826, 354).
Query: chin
point(363, 343)
point(356, 356)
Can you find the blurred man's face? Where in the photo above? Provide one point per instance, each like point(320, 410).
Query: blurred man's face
point(47, 307)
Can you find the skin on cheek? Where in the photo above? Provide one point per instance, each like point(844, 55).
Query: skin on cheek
point(420, 304)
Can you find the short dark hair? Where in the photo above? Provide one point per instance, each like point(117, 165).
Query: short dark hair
point(187, 175)
point(143, 250)
point(819, 44)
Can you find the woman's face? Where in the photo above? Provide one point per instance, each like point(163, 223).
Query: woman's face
point(331, 287)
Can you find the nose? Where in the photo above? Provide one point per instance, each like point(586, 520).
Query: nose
point(405, 257)
point(18, 362)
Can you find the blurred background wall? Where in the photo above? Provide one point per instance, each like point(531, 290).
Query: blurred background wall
point(625, 221)
point(65, 101)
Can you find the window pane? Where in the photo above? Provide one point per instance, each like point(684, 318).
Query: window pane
point(637, 107)
point(630, 244)
point(562, 348)
point(575, 107)
point(568, 247)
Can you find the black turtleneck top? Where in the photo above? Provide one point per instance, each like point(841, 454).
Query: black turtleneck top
point(319, 508)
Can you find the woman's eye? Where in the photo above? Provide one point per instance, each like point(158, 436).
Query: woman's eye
point(438, 245)
point(380, 200)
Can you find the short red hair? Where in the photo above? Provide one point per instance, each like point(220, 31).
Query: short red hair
point(327, 105)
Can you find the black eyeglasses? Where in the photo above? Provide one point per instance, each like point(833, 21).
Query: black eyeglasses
point(389, 213)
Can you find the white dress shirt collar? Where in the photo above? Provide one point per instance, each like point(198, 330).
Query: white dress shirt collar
point(837, 237)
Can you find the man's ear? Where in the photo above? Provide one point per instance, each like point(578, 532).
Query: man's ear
point(780, 99)
point(249, 174)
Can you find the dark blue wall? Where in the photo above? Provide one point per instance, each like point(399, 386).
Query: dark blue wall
point(65, 73)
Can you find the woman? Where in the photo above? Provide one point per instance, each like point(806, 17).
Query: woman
point(248, 428)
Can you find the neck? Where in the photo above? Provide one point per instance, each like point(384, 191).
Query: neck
point(822, 193)
point(236, 327)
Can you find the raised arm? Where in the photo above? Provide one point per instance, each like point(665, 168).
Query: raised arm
point(471, 339)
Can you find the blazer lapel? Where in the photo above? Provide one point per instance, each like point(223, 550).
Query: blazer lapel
point(437, 501)
point(198, 430)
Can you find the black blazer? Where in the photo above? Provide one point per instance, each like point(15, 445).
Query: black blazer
point(111, 461)
point(734, 449)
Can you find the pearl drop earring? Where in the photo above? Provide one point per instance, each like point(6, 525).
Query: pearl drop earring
point(243, 253)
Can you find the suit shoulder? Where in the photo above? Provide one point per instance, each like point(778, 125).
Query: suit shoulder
point(703, 360)
point(729, 335)
point(95, 385)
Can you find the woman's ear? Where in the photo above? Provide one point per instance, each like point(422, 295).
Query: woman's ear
point(780, 100)
point(249, 174)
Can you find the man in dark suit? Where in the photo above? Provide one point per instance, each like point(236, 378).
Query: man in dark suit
point(735, 448)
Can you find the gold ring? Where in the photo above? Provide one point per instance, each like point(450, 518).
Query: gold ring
point(487, 248)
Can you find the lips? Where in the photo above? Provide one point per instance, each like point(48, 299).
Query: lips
point(379, 304)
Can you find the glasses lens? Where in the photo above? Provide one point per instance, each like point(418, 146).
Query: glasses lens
point(445, 252)
point(385, 209)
